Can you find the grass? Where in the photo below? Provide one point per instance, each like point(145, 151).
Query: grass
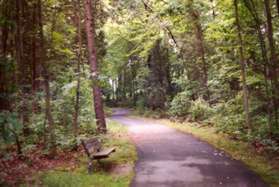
point(104, 174)
point(239, 150)
point(82, 179)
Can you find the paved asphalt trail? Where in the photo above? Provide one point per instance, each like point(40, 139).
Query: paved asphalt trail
point(168, 158)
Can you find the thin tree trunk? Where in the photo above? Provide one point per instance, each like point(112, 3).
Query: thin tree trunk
point(35, 104)
point(243, 68)
point(4, 84)
point(213, 9)
point(23, 66)
point(252, 9)
point(273, 59)
point(92, 57)
point(79, 38)
point(277, 6)
point(34, 74)
point(200, 47)
point(46, 84)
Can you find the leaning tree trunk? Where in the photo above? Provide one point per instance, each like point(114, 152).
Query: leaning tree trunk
point(92, 57)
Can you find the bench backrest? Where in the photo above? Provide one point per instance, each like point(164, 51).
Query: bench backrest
point(92, 145)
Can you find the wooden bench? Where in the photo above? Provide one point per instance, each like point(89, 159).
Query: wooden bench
point(94, 151)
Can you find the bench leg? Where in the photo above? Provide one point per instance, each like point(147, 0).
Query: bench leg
point(90, 167)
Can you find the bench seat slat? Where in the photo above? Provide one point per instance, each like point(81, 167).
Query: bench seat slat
point(103, 153)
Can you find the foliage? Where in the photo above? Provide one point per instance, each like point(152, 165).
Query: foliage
point(41, 47)
point(180, 105)
point(9, 126)
point(200, 77)
point(214, 62)
point(200, 110)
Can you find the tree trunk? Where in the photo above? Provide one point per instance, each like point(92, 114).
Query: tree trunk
point(79, 38)
point(23, 81)
point(273, 59)
point(243, 68)
point(277, 6)
point(252, 9)
point(92, 57)
point(4, 82)
point(48, 113)
point(35, 65)
point(200, 47)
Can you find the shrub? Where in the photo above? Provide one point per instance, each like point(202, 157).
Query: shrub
point(229, 117)
point(180, 105)
point(200, 110)
point(140, 104)
point(10, 129)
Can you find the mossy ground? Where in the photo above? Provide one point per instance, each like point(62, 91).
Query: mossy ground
point(105, 173)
